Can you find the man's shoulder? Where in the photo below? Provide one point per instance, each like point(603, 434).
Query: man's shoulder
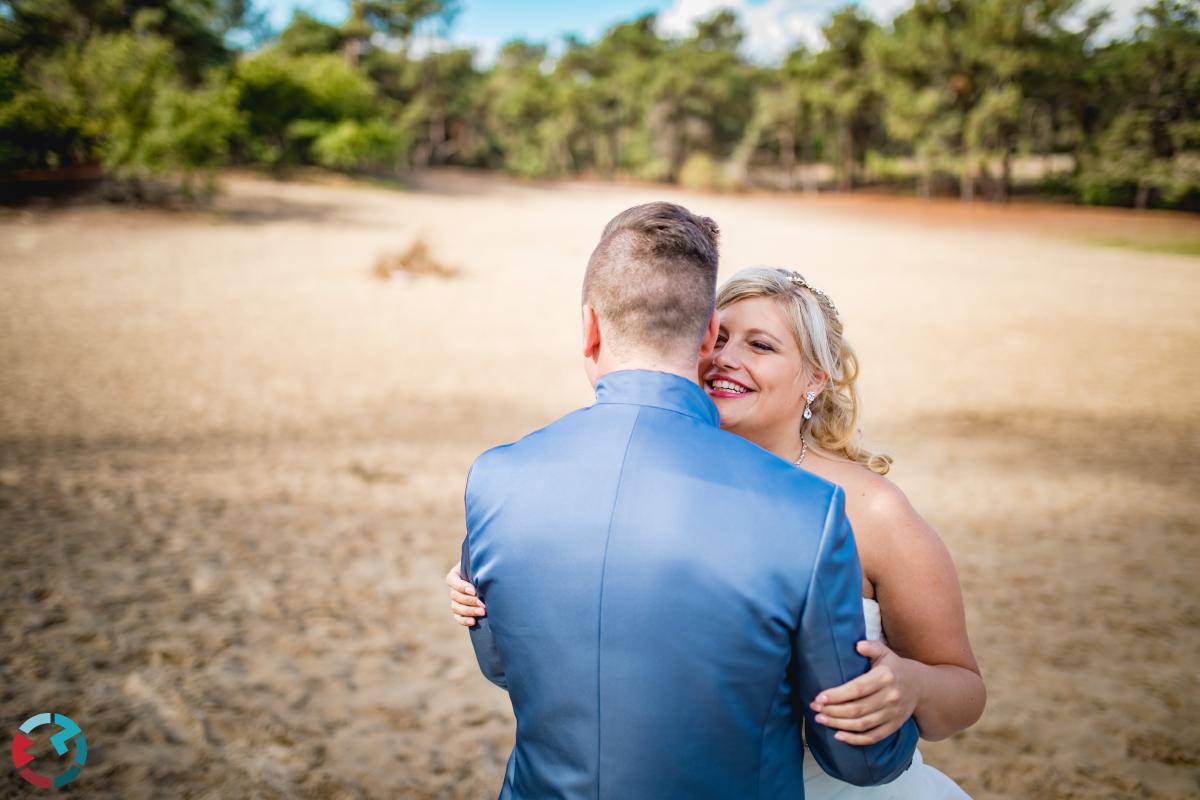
point(747, 462)
point(553, 434)
point(734, 460)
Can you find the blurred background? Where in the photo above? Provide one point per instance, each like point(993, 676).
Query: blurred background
point(273, 273)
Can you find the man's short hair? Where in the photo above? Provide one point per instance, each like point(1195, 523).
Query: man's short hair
point(653, 278)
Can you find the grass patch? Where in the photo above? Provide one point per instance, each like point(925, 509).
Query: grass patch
point(1184, 246)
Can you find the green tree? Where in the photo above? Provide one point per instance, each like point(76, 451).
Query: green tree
point(121, 96)
point(621, 70)
point(786, 118)
point(701, 96)
point(306, 35)
point(198, 30)
point(967, 82)
point(519, 107)
point(393, 19)
point(291, 101)
point(440, 97)
point(840, 87)
point(1148, 140)
point(926, 72)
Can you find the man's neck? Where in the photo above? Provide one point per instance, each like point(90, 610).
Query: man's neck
point(682, 370)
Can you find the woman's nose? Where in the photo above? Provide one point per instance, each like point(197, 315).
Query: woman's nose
point(723, 358)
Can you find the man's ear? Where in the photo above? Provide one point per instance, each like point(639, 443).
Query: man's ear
point(591, 333)
point(709, 342)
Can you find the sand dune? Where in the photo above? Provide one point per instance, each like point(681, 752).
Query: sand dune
point(231, 469)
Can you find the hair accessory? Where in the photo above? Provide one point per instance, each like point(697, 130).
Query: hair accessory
point(798, 280)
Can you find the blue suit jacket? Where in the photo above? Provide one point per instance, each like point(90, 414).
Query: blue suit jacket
point(664, 600)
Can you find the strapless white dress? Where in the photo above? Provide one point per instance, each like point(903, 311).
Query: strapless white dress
point(919, 782)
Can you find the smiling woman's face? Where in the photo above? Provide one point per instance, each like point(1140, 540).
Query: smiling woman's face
point(755, 374)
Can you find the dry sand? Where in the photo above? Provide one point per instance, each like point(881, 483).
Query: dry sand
point(231, 466)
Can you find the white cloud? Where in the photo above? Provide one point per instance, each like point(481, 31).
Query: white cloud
point(1121, 22)
point(1123, 19)
point(883, 10)
point(681, 17)
point(774, 27)
point(425, 42)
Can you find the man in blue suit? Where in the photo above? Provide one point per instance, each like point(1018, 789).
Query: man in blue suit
point(664, 598)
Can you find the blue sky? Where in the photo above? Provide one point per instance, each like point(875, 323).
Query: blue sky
point(504, 19)
point(773, 27)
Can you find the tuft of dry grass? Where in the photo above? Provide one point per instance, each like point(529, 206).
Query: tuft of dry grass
point(416, 260)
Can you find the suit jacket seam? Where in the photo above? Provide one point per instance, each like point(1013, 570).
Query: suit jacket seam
point(603, 571)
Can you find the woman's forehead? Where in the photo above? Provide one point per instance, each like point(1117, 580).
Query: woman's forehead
point(758, 312)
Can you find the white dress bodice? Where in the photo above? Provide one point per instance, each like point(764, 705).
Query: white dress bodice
point(874, 620)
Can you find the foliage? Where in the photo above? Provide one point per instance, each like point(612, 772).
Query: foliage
point(949, 93)
point(354, 145)
point(291, 101)
point(115, 100)
point(1149, 146)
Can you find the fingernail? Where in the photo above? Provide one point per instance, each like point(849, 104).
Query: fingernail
point(822, 699)
point(841, 737)
point(821, 718)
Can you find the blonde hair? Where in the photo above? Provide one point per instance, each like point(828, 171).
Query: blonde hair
point(818, 332)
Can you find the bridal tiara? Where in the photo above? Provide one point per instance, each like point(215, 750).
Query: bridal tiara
point(798, 280)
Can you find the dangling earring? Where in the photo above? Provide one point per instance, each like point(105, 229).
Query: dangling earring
point(808, 397)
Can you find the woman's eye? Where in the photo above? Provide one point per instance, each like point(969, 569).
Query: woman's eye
point(720, 340)
point(761, 345)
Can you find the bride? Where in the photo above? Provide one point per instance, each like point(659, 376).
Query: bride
point(783, 377)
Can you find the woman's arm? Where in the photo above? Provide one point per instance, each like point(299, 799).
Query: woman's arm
point(927, 670)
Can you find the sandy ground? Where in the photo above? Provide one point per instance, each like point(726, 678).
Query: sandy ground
point(231, 469)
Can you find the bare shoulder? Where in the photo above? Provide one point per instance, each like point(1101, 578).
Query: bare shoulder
point(877, 507)
point(869, 492)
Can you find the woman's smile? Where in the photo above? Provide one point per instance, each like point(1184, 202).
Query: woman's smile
point(719, 385)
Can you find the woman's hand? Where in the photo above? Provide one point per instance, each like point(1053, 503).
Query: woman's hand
point(873, 706)
point(464, 605)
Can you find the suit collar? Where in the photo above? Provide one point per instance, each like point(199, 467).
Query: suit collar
point(643, 387)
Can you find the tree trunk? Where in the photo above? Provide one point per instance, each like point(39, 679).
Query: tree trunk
point(678, 151)
point(966, 184)
point(846, 158)
point(987, 184)
point(811, 186)
point(354, 26)
point(353, 50)
point(787, 154)
point(566, 157)
point(437, 135)
point(1142, 197)
point(1006, 178)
